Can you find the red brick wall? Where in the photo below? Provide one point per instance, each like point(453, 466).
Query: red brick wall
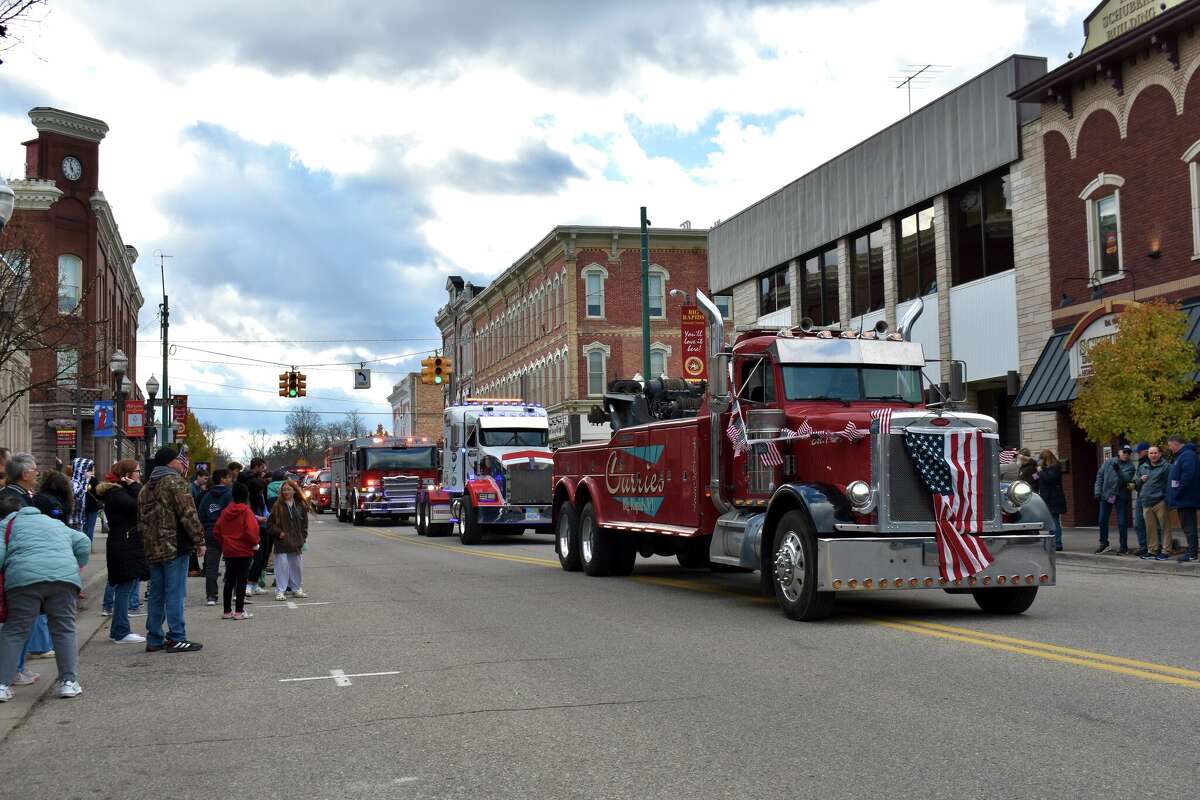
point(1155, 200)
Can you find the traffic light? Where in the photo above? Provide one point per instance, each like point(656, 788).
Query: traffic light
point(427, 370)
point(283, 384)
point(439, 370)
point(447, 367)
point(301, 384)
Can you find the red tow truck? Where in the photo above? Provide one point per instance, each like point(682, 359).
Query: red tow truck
point(380, 476)
point(802, 459)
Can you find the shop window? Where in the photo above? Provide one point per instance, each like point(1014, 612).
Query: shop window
point(1102, 204)
point(981, 229)
point(820, 288)
point(774, 291)
point(594, 277)
point(866, 272)
point(724, 304)
point(597, 368)
point(916, 272)
point(70, 284)
point(1192, 157)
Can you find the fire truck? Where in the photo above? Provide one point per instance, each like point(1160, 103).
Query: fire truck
point(809, 457)
point(496, 469)
point(380, 476)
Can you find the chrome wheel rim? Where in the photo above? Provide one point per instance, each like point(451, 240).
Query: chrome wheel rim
point(587, 535)
point(789, 566)
point(564, 535)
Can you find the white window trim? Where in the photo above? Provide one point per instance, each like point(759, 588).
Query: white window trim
point(665, 349)
point(603, 273)
point(655, 269)
point(1094, 244)
point(1192, 157)
point(606, 351)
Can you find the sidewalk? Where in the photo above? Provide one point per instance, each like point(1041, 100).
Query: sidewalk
point(1079, 545)
point(88, 621)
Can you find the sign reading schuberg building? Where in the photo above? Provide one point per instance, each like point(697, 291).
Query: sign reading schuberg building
point(1117, 17)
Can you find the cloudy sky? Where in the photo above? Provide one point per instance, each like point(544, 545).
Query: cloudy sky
point(317, 168)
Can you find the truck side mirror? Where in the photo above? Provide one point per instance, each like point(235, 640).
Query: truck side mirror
point(958, 385)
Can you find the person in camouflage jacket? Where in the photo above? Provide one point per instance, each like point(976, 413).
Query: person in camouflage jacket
point(171, 532)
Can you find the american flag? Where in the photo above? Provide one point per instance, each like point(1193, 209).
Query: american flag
point(769, 455)
point(884, 415)
point(948, 464)
point(1008, 456)
point(852, 434)
point(735, 432)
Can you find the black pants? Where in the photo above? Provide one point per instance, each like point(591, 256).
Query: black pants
point(1187, 521)
point(212, 565)
point(265, 543)
point(236, 569)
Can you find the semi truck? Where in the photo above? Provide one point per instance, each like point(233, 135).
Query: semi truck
point(495, 471)
point(380, 476)
point(815, 457)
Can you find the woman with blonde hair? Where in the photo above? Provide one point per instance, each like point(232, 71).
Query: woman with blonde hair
point(289, 526)
point(1048, 483)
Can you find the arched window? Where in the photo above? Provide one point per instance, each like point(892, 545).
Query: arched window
point(659, 355)
point(1192, 157)
point(70, 284)
point(594, 277)
point(597, 368)
point(1102, 200)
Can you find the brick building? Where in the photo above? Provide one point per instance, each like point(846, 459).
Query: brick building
point(97, 298)
point(455, 327)
point(416, 408)
point(1120, 135)
point(565, 319)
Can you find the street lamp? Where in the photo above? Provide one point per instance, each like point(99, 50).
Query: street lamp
point(8, 201)
point(118, 364)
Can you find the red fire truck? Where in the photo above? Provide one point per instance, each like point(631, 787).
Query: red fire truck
point(813, 466)
point(380, 476)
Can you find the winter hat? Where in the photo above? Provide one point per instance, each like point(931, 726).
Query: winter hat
point(1126, 449)
point(1143, 447)
point(164, 456)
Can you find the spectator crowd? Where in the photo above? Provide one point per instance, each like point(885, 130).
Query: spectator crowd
point(160, 526)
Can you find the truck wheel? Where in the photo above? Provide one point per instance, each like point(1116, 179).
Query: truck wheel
point(420, 522)
point(624, 553)
point(1014, 600)
point(692, 557)
point(566, 537)
point(471, 530)
point(794, 570)
point(597, 550)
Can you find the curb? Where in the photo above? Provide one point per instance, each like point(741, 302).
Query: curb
point(82, 637)
point(1131, 563)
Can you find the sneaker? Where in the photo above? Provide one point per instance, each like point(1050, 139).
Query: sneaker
point(1102, 549)
point(5, 693)
point(68, 689)
point(183, 647)
point(130, 638)
point(1124, 551)
point(1058, 548)
point(47, 654)
point(1186, 557)
point(251, 588)
point(242, 615)
point(106, 612)
point(1146, 555)
point(280, 596)
point(227, 615)
point(1162, 557)
point(26, 678)
point(137, 612)
point(212, 601)
point(154, 648)
point(300, 594)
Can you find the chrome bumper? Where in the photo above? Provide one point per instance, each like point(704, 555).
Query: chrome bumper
point(1025, 559)
point(524, 516)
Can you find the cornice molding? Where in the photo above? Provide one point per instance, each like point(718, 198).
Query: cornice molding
point(67, 123)
point(115, 248)
point(35, 194)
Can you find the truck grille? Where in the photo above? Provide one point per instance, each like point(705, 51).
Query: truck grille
point(400, 491)
point(528, 484)
point(907, 498)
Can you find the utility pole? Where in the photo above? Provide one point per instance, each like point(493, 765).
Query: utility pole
point(165, 316)
point(645, 296)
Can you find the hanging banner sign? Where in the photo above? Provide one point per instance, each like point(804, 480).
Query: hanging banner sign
point(179, 409)
point(135, 415)
point(692, 336)
point(102, 419)
point(65, 437)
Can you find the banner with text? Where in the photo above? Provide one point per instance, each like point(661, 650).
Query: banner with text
point(179, 409)
point(692, 336)
point(135, 415)
point(65, 437)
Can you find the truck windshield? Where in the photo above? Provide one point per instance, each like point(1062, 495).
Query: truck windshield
point(512, 437)
point(404, 458)
point(851, 382)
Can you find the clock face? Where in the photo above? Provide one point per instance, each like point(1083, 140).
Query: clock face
point(71, 168)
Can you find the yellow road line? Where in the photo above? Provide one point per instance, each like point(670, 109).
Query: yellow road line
point(1145, 670)
point(1090, 663)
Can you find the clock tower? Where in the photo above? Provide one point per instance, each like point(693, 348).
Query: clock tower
point(66, 151)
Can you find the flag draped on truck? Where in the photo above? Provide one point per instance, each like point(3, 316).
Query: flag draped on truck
point(949, 465)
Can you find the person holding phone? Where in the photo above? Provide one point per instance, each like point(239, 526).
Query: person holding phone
point(118, 493)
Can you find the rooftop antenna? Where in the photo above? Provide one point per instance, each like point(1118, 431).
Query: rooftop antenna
point(920, 74)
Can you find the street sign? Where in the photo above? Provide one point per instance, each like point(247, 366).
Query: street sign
point(692, 334)
point(135, 414)
point(179, 410)
point(102, 419)
point(65, 437)
point(362, 378)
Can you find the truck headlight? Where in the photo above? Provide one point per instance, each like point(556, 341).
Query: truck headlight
point(861, 497)
point(1016, 495)
point(487, 497)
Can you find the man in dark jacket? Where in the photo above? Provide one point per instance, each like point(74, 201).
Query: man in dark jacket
point(1183, 492)
point(1141, 456)
point(21, 472)
point(1112, 492)
point(1152, 480)
point(210, 507)
point(170, 531)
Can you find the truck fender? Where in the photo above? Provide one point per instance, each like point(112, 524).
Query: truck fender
point(824, 506)
point(486, 484)
point(1035, 510)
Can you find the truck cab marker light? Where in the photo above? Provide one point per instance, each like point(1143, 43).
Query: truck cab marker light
point(868, 583)
point(837, 583)
point(1016, 579)
point(1029, 579)
point(1001, 580)
point(853, 584)
point(987, 580)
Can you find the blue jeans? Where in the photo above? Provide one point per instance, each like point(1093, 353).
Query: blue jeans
point(38, 641)
point(1139, 523)
point(122, 592)
point(89, 525)
point(135, 598)
point(168, 588)
point(1106, 509)
point(1057, 529)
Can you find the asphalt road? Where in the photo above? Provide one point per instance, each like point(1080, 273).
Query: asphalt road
point(502, 676)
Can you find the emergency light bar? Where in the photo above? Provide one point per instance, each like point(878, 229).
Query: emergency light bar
point(496, 401)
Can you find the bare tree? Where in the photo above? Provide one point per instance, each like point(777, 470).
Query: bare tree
point(332, 433)
point(355, 425)
point(259, 444)
point(14, 16)
point(304, 431)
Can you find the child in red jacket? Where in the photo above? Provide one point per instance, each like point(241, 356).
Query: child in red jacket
point(237, 531)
